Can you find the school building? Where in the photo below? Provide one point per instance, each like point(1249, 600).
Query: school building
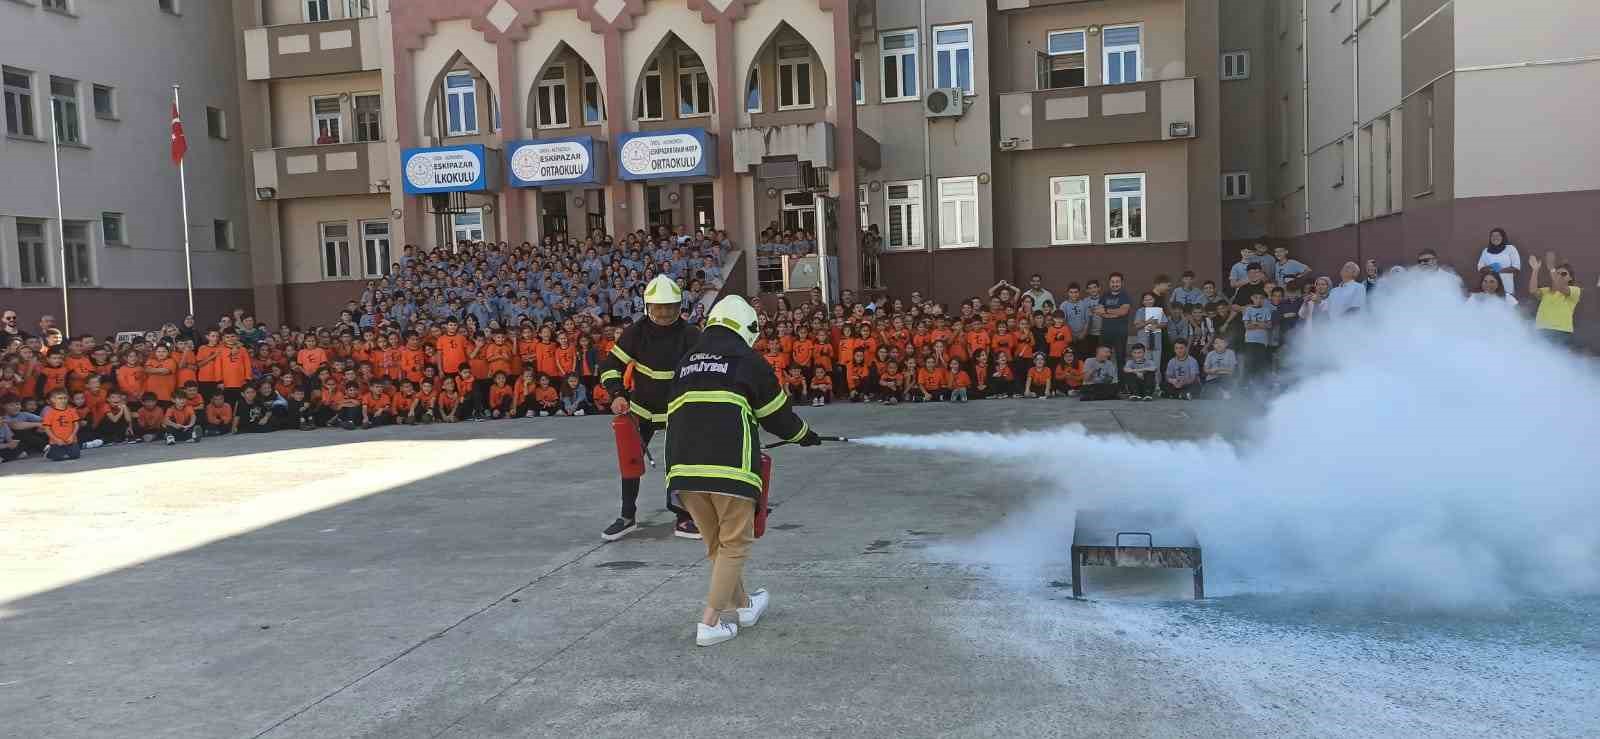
point(978, 139)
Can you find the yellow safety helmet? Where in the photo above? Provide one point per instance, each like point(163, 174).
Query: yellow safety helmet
point(734, 314)
point(663, 290)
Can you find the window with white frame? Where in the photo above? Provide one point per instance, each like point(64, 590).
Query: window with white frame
point(111, 229)
point(358, 8)
point(64, 106)
point(903, 215)
point(105, 103)
point(752, 91)
point(1123, 53)
point(222, 235)
point(369, 116)
point(952, 56)
point(75, 240)
point(19, 102)
point(1235, 65)
point(1236, 186)
point(694, 86)
point(335, 250)
point(863, 214)
point(1069, 210)
point(327, 119)
point(958, 211)
point(33, 260)
point(1063, 65)
point(794, 76)
point(1427, 139)
point(317, 10)
point(857, 81)
point(375, 248)
point(461, 104)
point(898, 51)
point(552, 104)
point(647, 104)
point(594, 107)
point(1125, 212)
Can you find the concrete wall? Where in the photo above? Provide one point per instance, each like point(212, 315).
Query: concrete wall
point(1164, 164)
point(290, 100)
point(122, 165)
point(1026, 35)
point(1247, 133)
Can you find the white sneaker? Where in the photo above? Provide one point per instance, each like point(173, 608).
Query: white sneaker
point(93, 444)
point(709, 636)
point(171, 440)
point(578, 412)
point(758, 606)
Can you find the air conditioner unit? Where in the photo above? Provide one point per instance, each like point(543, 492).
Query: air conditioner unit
point(944, 102)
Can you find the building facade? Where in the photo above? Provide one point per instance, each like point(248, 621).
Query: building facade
point(103, 71)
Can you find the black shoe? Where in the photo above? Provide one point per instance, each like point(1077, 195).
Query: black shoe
point(618, 529)
point(686, 530)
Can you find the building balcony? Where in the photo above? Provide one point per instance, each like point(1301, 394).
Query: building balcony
point(310, 49)
point(1160, 110)
point(812, 143)
point(321, 171)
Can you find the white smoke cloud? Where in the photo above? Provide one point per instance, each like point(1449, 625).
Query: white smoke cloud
point(1434, 456)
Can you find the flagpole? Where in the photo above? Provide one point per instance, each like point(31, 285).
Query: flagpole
point(183, 191)
point(61, 225)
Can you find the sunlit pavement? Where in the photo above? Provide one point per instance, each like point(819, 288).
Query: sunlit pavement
point(451, 581)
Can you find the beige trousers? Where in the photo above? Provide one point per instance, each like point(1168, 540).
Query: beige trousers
point(728, 524)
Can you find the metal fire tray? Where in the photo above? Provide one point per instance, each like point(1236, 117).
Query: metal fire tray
point(1133, 539)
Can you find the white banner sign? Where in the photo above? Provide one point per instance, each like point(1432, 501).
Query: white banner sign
point(444, 168)
point(653, 156)
point(560, 160)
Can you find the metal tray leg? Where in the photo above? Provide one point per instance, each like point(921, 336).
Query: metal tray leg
point(1077, 573)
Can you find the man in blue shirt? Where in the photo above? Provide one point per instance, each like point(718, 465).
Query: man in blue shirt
point(1115, 306)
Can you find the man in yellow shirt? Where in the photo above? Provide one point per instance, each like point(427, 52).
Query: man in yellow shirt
point(1557, 302)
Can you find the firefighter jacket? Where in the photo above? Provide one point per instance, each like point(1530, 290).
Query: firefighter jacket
point(653, 351)
point(722, 391)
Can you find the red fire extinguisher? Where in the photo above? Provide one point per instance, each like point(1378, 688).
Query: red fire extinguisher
point(761, 503)
point(630, 451)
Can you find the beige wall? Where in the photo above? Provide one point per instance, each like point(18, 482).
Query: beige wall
point(1247, 132)
point(1495, 32)
point(558, 27)
point(438, 56)
point(1027, 32)
point(645, 42)
point(1512, 135)
point(279, 12)
point(298, 222)
point(1164, 164)
point(290, 101)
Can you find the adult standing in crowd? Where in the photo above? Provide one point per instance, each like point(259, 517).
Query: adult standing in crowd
point(1502, 257)
point(1115, 306)
point(1558, 302)
point(9, 328)
point(1350, 297)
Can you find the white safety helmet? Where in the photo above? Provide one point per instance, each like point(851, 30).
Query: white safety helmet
point(736, 315)
point(663, 291)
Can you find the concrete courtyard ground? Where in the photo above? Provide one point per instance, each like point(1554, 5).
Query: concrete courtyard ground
point(450, 581)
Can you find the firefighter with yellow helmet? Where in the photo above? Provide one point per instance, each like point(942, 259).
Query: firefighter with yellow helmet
point(723, 392)
point(653, 345)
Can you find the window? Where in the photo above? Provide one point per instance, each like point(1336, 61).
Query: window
point(375, 248)
point(217, 123)
point(222, 235)
point(752, 92)
point(111, 229)
point(958, 211)
point(1427, 139)
point(1121, 53)
point(863, 214)
point(952, 56)
point(335, 250)
point(647, 105)
point(594, 107)
point(1285, 131)
point(1236, 186)
point(855, 73)
point(1069, 210)
point(168, 6)
point(369, 116)
point(694, 86)
point(1125, 207)
point(19, 102)
point(317, 10)
point(358, 8)
point(327, 116)
point(794, 77)
point(1235, 65)
point(552, 108)
point(105, 103)
point(59, 6)
point(467, 226)
point(32, 260)
point(899, 52)
point(1063, 65)
point(461, 104)
point(1338, 167)
point(75, 237)
point(64, 106)
point(903, 205)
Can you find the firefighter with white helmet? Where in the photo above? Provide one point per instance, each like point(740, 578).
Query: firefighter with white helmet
point(724, 390)
point(652, 346)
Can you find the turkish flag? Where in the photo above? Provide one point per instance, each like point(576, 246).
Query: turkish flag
point(180, 145)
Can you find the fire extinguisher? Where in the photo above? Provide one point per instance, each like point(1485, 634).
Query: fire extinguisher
point(630, 450)
point(761, 503)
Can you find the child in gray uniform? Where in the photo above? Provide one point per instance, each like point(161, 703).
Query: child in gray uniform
point(1220, 365)
point(1140, 374)
point(1099, 376)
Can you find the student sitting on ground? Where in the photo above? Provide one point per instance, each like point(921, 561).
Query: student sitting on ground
point(502, 395)
point(958, 382)
point(218, 419)
point(61, 428)
point(1039, 378)
point(1099, 376)
point(181, 423)
point(1140, 372)
point(547, 398)
point(151, 421)
point(1068, 375)
point(574, 398)
point(821, 387)
point(116, 421)
point(1183, 373)
point(1220, 366)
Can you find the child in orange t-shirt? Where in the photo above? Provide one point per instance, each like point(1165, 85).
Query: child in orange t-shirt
point(547, 399)
point(1039, 379)
point(219, 417)
point(1068, 374)
point(795, 384)
point(891, 383)
point(522, 400)
point(1002, 379)
point(161, 375)
point(821, 386)
point(957, 382)
point(180, 422)
point(424, 407)
point(502, 395)
point(378, 402)
point(931, 382)
point(53, 375)
point(116, 423)
point(61, 428)
point(150, 419)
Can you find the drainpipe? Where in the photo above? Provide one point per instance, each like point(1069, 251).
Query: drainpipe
point(1355, 125)
point(924, 70)
point(1305, 118)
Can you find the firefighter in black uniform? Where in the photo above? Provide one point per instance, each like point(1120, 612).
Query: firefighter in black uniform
point(723, 391)
point(653, 345)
